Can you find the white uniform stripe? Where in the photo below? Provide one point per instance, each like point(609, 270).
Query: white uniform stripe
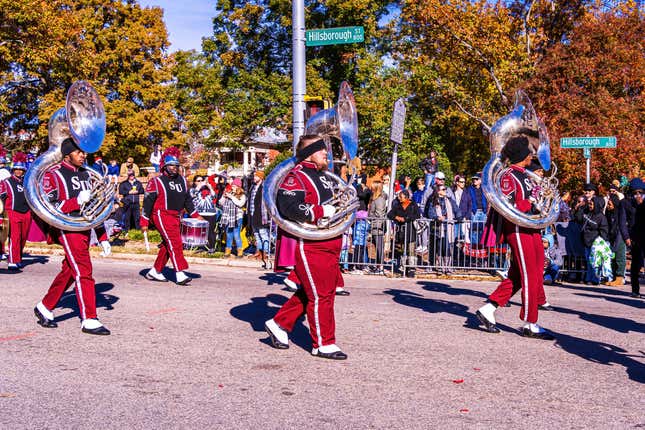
point(62, 180)
point(78, 275)
point(168, 241)
point(313, 288)
point(524, 274)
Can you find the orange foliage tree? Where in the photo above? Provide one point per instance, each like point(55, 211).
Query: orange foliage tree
point(592, 85)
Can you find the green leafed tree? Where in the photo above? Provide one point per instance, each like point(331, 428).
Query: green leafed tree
point(116, 45)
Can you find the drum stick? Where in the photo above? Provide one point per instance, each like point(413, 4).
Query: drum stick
point(145, 240)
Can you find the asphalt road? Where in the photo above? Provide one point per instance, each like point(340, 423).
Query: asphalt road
point(197, 357)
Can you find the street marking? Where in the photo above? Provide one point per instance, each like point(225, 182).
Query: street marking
point(162, 311)
point(17, 337)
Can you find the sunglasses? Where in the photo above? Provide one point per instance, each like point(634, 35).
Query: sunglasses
point(638, 193)
point(461, 181)
point(442, 189)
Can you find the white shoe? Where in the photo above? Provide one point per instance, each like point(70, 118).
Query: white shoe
point(291, 286)
point(46, 312)
point(279, 337)
point(502, 274)
point(182, 278)
point(153, 275)
point(488, 311)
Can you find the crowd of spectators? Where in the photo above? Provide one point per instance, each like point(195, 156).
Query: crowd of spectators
point(428, 214)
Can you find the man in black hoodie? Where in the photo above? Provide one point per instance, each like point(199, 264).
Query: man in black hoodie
point(636, 222)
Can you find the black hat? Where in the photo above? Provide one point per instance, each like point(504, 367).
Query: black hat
point(614, 187)
point(68, 146)
point(637, 184)
point(517, 149)
point(477, 175)
point(590, 187)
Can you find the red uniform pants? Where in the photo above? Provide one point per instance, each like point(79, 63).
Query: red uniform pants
point(171, 247)
point(76, 268)
point(18, 230)
point(316, 267)
point(525, 272)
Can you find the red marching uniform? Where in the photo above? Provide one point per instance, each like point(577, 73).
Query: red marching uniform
point(62, 184)
point(527, 264)
point(164, 200)
point(13, 193)
point(300, 198)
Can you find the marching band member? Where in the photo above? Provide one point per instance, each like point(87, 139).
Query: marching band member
point(300, 199)
point(525, 272)
point(166, 196)
point(12, 192)
point(67, 185)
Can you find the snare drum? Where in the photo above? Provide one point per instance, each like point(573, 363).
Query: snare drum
point(194, 232)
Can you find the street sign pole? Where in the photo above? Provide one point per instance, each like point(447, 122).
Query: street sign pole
point(396, 136)
point(299, 68)
point(586, 152)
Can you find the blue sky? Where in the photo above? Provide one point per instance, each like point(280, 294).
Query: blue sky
point(187, 21)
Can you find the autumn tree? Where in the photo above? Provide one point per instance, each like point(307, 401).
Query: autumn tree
point(592, 85)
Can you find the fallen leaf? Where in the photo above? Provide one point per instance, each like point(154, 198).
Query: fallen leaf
point(458, 381)
point(463, 410)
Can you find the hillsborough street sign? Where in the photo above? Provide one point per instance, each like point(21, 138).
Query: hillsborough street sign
point(334, 36)
point(588, 142)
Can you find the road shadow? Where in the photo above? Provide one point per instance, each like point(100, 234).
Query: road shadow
point(621, 300)
point(450, 290)
point(595, 289)
point(619, 324)
point(435, 306)
point(273, 278)
point(169, 274)
point(103, 301)
point(603, 353)
point(260, 309)
point(28, 260)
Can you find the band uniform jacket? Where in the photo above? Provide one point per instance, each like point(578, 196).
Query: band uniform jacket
point(12, 191)
point(167, 194)
point(62, 183)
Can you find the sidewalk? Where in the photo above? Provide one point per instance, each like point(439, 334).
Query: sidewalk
point(139, 253)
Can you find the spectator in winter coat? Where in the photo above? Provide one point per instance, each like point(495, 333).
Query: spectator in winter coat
point(616, 213)
point(588, 214)
point(404, 212)
point(376, 212)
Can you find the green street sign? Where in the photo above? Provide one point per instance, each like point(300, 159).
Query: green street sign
point(586, 152)
point(334, 36)
point(588, 142)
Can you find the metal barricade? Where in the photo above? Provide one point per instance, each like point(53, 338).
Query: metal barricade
point(377, 246)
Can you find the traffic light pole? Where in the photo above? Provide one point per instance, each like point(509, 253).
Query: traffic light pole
point(299, 76)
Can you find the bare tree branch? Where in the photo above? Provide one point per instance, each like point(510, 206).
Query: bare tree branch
point(481, 121)
point(525, 25)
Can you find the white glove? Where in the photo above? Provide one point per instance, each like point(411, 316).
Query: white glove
point(83, 197)
point(107, 248)
point(328, 211)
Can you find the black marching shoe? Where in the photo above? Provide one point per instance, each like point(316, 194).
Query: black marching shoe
point(101, 331)
point(489, 326)
point(637, 296)
point(342, 292)
point(544, 335)
point(338, 355)
point(43, 320)
point(545, 307)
